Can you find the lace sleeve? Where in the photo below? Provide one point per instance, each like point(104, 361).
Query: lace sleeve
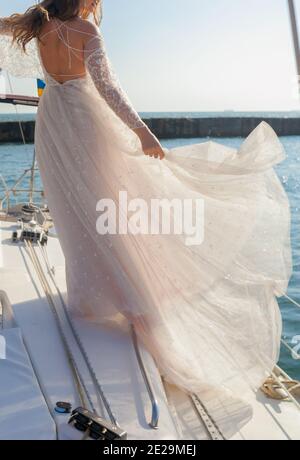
point(106, 82)
point(17, 62)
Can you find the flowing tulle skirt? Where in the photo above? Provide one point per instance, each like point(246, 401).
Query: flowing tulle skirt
point(207, 312)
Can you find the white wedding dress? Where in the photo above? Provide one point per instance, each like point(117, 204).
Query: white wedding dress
point(208, 313)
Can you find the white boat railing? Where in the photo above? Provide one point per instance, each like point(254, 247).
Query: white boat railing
point(294, 353)
point(155, 408)
point(14, 190)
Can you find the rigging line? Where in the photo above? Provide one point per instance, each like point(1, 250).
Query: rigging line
point(79, 381)
point(17, 112)
point(295, 34)
point(50, 300)
point(291, 300)
point(293, 352)
point(79, 342)
point(283, 294)
point(25, 144)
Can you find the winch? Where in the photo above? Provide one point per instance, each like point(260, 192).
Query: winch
point(95, 427)
point(30, 231)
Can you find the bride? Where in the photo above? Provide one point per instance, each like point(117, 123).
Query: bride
point(207, 312)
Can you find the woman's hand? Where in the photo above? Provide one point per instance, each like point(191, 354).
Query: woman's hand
point(150, 144)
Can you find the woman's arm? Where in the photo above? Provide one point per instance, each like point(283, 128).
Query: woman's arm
point(4, 28)
point(109, 87)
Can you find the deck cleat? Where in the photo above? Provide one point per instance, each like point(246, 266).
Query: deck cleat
point(95, 427)
point(14, 237)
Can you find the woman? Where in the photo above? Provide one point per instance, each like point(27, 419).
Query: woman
point(208, 311)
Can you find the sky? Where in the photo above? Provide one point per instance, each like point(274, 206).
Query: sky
point(196, 55)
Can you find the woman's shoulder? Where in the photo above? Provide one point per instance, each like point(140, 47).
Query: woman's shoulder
point(87, 27)
point(47, 27)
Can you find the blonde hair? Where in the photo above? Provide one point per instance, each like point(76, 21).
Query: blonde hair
point(28, 25)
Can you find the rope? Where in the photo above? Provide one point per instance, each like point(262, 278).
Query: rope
point(272, 386)
point(293, 352)
point(80, 385)
point(291, 300)
point(79, 342)
point(273, 383)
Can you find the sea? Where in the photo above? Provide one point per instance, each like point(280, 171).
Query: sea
point(14, 158)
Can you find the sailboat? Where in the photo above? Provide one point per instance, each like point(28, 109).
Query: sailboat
point(64, 379)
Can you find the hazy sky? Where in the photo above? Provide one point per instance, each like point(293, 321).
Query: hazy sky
point(197, 55)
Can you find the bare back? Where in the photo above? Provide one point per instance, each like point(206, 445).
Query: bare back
point(61, 47)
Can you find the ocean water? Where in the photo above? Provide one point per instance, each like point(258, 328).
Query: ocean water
point(227, 113)
point(15, 158)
